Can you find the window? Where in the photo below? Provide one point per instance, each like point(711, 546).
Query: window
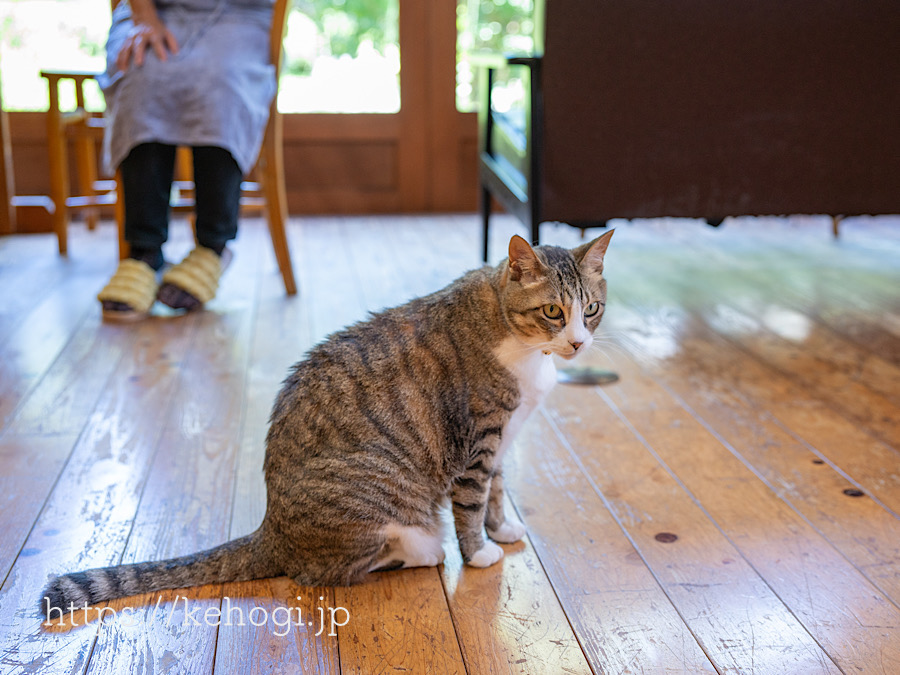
point(50, 34)
point(341, 56)
point(499, 26)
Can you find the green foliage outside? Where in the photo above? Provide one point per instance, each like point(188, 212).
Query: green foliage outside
point(496, 26)
point(71, 34)
point(344, 25)
point(52, 34)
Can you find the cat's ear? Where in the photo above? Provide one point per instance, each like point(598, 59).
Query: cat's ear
point(590, 255)
point(524, 264)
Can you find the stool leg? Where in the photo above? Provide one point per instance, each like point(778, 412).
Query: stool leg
point(59, 172)
point(86, 160)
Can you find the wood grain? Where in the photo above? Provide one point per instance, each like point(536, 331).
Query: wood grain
point(88, 516)
point(714, 588)
point(853, 381)
point(710, 381)
point(287, 643)
point(29, 466)
point(299, 635)
point(728, 429)
point(807, 287)
point(37, 442)
point(332, 294)
point(185, 505)
point(27, 276)
point(399, 621)
point(814, 580)
point(507, 616)
point(622, 617)
point(661, 333)
point(68, 390)
point(31, 349)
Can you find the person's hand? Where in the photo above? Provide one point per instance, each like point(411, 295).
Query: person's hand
point(148, 33)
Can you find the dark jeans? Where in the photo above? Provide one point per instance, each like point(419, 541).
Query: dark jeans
point(147, 174)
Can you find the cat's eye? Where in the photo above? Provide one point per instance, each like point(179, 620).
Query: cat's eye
point(592, 309)
point(552, 311)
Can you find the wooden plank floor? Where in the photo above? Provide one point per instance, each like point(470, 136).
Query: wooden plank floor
point(732, 504)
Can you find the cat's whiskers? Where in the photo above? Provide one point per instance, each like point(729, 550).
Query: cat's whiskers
point(601, 342)
point(607, 348)
point(633, 348)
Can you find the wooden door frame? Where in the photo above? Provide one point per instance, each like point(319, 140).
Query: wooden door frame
point(433, 146)
point(374, 160)
point(453, 135)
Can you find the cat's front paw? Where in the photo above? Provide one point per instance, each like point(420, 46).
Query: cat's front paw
point(511, 531)
point(486, 556)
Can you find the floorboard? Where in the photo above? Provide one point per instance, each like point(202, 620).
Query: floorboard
point(620, 614)
point(812, 578)
point(185, 503)
point(732, 504)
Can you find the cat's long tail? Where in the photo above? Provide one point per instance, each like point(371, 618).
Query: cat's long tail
point(239, 560)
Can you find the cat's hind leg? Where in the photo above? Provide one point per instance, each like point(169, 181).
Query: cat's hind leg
point(409, 546)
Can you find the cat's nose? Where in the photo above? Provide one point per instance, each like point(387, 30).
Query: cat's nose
point(576, 345)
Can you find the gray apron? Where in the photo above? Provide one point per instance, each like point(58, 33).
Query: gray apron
point(215, 91)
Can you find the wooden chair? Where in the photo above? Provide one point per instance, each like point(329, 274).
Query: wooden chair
point(85, 131)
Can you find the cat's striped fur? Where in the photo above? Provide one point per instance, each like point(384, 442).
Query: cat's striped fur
point(385, 420)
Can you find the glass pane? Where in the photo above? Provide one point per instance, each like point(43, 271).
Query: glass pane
point(497, 26)
point(50, 34)
point(341, 56)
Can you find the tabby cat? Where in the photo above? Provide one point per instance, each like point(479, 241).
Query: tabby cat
point(384, 420)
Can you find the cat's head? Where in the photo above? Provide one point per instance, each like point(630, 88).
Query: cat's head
point(553, 298)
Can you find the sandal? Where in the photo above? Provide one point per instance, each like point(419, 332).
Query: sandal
point(194, 281)
point(130, 293)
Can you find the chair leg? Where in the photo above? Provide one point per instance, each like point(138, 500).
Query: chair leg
point(86, 161)
point(485, 220)
point(272, 166)
point(534, 212)
point(59, 173)
point(184, 164)
point(124, 246)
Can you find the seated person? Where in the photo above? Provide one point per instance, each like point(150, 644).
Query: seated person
point(193, 73)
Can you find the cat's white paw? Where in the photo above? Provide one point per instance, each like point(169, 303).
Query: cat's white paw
point(414, 546)
point(509, 532)
point(487, 555)
point(429, 559)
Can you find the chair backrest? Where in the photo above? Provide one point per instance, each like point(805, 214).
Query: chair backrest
point(280, 12)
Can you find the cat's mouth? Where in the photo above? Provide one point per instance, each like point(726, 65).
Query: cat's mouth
point(568, 357)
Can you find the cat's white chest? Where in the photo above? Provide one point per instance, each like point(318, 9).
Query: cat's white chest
point(536, 375)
